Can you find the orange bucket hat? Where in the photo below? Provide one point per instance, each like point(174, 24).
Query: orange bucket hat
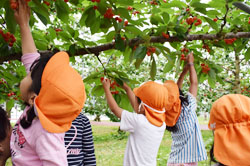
point(173, 108)
point(62, 95)
point(153, 96)
point(230, 121)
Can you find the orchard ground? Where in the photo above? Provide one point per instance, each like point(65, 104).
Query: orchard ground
point(110, 145)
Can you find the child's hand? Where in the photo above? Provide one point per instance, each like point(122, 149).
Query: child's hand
point(22, 13)
point(125, 86)
point(190, 58)
point(106, 84)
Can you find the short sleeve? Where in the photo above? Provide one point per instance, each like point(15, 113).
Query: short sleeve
point(51, 149)
point(128, 121)
point(28, 59)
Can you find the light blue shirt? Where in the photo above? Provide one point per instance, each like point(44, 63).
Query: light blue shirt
point(187, 145)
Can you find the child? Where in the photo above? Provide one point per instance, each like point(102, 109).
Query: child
point(5, 132)
point(55, 94)
point(79, 143)
point(146, 126)
point(230, 122)
point(187, 146)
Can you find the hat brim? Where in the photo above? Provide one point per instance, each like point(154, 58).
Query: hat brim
point(231, 145)
point(51, 127)
point(154, 118)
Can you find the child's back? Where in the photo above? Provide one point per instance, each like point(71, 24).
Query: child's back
point(187, 145)
point(79, 143)
point(146, 126)
point(144, 139)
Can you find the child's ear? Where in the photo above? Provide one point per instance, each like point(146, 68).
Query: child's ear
point(32, 97)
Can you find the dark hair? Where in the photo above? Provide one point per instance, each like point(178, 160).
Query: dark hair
point(4, 124)
point(36, 70)
point(184, 102)
point(138, 100)
point(212, 159)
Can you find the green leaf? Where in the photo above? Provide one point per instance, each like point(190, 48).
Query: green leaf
point(41, 11)
point(10, 104)
point(212, 74)
point(90, 18)
point(168, 67)
point(247, 54)
point(140, 52)
point(125, 2)
point(10, 19)
point(119, 43)
point(138, 63)
point(155, 19)
point(211, 82)
point(123, 12)
point(41, 45)
point(165, 17)
point(62, 9)
point(72, 49)
point(95, 27)
point(98, 90)
point(153, 69)
point(133, 30)
point(212, 24)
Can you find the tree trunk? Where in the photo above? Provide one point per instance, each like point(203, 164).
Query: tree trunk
point(97, 118)
point(8, 111)
point(237, 74)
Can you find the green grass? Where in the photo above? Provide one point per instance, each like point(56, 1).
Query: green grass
point(202, 120)
point(110, 146)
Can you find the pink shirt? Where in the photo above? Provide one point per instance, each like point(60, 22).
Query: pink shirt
point(35, 146)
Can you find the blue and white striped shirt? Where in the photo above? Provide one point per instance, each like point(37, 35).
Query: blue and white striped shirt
point(79, 143)
point(187, 145)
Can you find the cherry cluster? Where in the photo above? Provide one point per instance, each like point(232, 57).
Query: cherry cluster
point(205, 46)
point(191, 20)
point(150, 50)
point(205, 68)
point(230, 41)
point(165, 35)
point(109, 13)
point(8, 37)
point(184, 51)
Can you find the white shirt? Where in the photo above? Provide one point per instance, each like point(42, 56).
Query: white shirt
point(144, 139)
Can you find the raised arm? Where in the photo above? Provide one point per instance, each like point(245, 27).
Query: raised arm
point(130, 94)
point(192, 75)
point(22, 16)
point(182, 76)
point(111, 101)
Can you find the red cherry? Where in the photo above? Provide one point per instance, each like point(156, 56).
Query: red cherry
point(102, 78)
point(93, 0)
point(97, 1)
point(215, 19)
point(187, 9)
point(125, 23)
point(130, 8)
point(95, 7)
point(11, 44)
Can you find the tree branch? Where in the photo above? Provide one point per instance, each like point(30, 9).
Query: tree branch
point(224, 18)
point(154, 39)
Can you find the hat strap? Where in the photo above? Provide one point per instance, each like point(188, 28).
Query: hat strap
point(161, 112)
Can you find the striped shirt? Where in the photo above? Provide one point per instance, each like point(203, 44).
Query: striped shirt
point(187, 145)
point(79, 143)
